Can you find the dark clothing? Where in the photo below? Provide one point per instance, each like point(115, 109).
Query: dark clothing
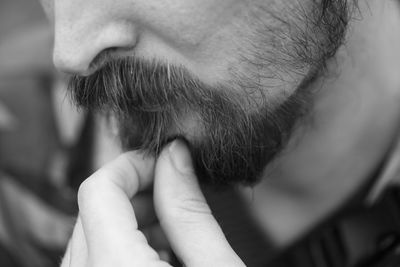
point(357, 236)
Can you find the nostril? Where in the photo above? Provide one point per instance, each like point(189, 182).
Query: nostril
point(82, 68)
point(102, 58)
point(80, 61)
point(108, 55)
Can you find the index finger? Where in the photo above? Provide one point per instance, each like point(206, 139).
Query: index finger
point(107, 215)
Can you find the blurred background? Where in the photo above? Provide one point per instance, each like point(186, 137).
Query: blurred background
point(35, 213)
point(46, 145)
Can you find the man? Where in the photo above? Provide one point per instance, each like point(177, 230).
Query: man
point(312, 85)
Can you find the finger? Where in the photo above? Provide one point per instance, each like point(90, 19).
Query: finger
point(79, 250)
point(107, 216)
point(194, 234)
point(76, 254)
point(66, 260)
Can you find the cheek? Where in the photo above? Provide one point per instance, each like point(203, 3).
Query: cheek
point(196, 34)
point(184, 22)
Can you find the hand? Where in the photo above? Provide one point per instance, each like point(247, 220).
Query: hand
point(106, 232)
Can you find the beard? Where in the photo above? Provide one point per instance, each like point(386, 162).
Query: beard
point(232, 134)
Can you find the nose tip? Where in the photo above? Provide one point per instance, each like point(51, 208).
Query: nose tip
point(71, 63)
point(87, 58)
point(83, 33)
point(81, 54)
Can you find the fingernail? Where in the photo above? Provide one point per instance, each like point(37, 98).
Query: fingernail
point(180, 156)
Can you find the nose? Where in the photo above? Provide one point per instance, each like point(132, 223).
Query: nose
point(84, 30)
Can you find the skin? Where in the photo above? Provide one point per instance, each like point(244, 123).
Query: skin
point(353, 122)
point(207, 38)
point(142, 24)
point(180, 207)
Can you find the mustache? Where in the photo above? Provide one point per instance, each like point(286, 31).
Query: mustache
point(231, 139)
point(132, 88)
point(134, 84)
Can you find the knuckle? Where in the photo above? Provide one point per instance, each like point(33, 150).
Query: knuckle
point(85, 188)
point(108, 174)
point(90, 187)
point(85, 191)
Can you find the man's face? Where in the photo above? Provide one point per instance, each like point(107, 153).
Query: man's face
point(231, 77)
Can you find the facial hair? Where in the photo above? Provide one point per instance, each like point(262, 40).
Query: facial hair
point(231, 136)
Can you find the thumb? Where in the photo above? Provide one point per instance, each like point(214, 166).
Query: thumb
point(184, 214)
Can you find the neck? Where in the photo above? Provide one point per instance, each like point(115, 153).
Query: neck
point(355, 118)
